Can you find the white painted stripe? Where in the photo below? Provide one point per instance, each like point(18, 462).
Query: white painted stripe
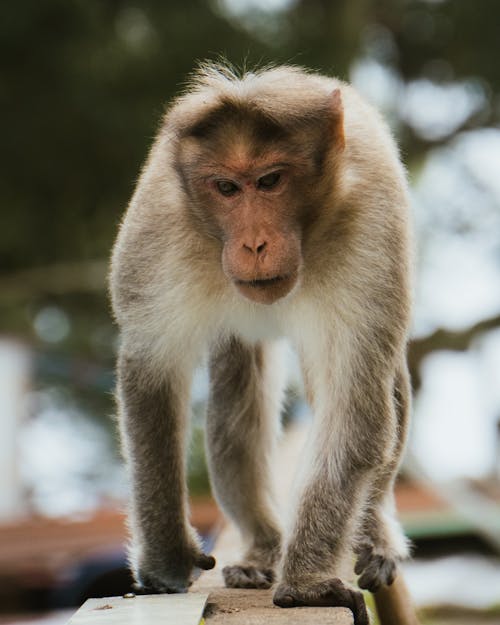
point(176, 609)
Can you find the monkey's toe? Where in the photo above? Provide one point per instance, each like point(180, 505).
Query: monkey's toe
point(374, 569)
point(240, 576)
point(333, 593)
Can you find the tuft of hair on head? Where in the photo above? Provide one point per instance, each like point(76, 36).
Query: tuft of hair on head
point(218, 73)
point(210, 73)
point(213, 73)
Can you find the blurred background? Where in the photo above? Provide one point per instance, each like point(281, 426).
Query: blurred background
point(83, 86)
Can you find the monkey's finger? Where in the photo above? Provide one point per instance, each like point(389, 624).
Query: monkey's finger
point(380, 571)
point(205, 562)
point(284, 600)
point(359, 610)
point(364, 557)
point(389, 571)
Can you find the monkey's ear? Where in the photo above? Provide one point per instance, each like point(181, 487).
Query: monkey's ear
point(337, 118)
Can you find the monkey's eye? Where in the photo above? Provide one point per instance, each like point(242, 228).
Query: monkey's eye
point(269, 181)
point(226, 187)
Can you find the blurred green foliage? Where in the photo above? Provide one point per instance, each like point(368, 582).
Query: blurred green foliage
point(84, 84)
point(198, 481)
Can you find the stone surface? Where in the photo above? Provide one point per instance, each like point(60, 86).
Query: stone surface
point(232, 606)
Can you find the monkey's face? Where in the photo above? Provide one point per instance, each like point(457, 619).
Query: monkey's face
point(254, 186)
point(250, 205)
point(253, 206)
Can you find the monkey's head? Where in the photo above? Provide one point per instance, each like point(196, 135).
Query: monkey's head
point(255, 160)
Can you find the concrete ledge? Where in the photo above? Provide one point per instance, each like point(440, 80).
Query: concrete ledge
point(235, 606)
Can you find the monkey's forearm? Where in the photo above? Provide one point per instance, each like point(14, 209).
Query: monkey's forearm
point(335, 495)
point(164, 546)
point(152, 431)
point(321, 536)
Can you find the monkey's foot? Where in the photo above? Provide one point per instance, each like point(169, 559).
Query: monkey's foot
point(375, 569)
point(241, 576)
point(150, 581)
point(333, 593)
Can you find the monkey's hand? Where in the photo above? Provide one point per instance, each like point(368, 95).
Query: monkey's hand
point(333, 593)
point(170, 572)
point(375, 569)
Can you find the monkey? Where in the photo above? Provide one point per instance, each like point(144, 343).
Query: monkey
point(273, 203)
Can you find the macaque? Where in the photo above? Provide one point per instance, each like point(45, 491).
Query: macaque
point(272, 204)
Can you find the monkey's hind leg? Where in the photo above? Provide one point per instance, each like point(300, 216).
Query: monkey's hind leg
point(242, 423)
point(380, 544)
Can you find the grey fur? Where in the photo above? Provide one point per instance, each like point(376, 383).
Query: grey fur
point(240, 435)
point(178, 289)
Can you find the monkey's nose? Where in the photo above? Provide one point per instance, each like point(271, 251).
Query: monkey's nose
point(256, 248)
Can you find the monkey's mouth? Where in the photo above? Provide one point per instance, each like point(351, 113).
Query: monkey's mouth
point(265, 282)
point(266, 290)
